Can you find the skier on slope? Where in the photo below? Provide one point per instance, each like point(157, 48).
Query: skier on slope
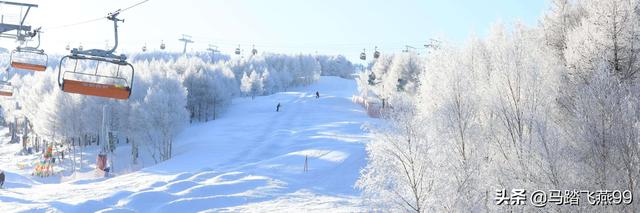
point(1, 179)
point(278, 108)
point(317, 94)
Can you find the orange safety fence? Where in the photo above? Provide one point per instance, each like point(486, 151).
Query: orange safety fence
point(96, 89)
point(101, 162)
point(27, 66)
point(6, 93)
point(374, 110)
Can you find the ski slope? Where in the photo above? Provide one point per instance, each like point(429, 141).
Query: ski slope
point(250, 159)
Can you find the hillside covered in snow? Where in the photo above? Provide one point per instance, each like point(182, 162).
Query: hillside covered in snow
point(251, 158)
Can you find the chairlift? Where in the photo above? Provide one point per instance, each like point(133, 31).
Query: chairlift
point(144, 48)
point(162, 46)
point(363, 56)
point(29, 58)
point(213, 49)
point(254, 51)
point(23, 57)
point(408, 49)
point(238, 50)
point(6, 89)
point(376, 54)
point(67, 47)
point(111, 76)
point(80, 47)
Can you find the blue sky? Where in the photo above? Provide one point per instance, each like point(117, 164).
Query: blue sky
point(287, 26)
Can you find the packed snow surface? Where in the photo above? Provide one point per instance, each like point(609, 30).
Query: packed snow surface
point(251, 159)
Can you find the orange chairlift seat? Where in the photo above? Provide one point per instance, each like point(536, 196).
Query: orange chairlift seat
point(27, 66)
point(121, 92)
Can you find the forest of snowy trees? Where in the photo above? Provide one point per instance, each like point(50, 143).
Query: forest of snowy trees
point(170, 91)
point(550, 107)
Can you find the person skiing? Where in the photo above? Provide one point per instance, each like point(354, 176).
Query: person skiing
point(278, 108)
point(1, 179)
point(317, 94)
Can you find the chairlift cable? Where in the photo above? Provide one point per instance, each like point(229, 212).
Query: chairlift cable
point(135, 5)
point(95, 19)
point(77, 23)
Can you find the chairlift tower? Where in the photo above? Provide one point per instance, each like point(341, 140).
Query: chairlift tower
point(408, 48)
point(432, 45)
point(186, 39)
point(23, 57)
point(104, 135)
point(213, 49)
point(254, 51)
point(20, 28)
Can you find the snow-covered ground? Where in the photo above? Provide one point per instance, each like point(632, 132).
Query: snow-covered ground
point(249, 160)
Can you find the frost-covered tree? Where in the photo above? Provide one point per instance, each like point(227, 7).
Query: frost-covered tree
point(449, 96)
point(404, 72)
point(488, 113)
point(336, 66)
point(519, 95)
point(223, 89)
point(401, 170)
point(391, 74)
point(246, 84)
point(197, 86)
point(608, 33)
point(605, 132)
point(164, 112)
point(257, 86)
point(562, 18)
point(554, 107)
point(600, 97)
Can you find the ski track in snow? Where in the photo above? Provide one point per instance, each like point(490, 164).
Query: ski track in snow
point(249, 160)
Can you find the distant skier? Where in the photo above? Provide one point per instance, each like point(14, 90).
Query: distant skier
point(278, 108)
point(1, 179)
point(317, 94)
